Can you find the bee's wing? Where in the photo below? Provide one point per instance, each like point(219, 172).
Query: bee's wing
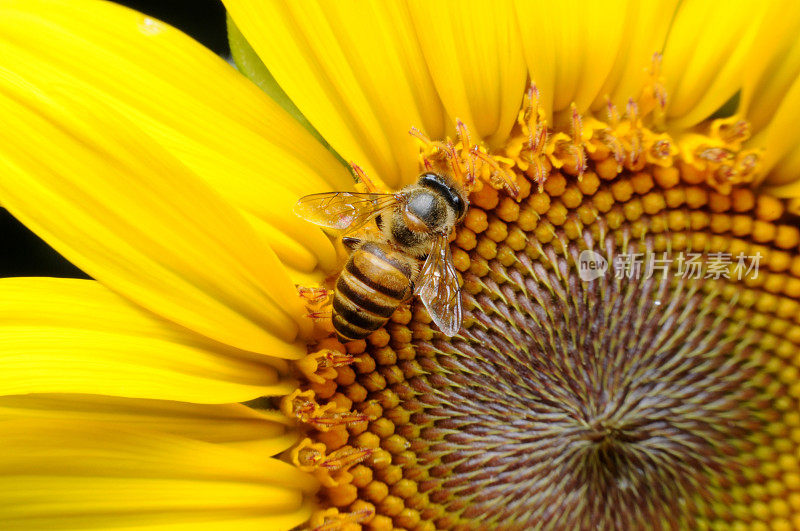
point(437, 287)
point(343, 210)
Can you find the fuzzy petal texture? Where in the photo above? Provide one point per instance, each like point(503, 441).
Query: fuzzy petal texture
point(355, 70)
point(74, 336)
point(73, 473)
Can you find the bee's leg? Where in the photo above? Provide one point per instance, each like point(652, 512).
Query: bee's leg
point(415, 280)
point(410, 293)
point(350, 242)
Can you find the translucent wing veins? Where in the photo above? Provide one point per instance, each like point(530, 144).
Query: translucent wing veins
point(343, 210)
point(438, 288)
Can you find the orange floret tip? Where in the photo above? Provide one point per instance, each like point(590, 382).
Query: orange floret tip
point(313, 294)
point(567, 151)
point(732, 131)
point(325, 422)
point(653, 98)
point(320, 366)
point(342, 459)
point(299, 404)
point(302, 405)
point(330, 469)
point(308, 455)
point(498, 177)
point(534, 129)
point(333, 520)
point(317, 301)
point(466, 162)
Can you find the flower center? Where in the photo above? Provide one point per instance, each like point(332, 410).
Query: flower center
point(575, 404)
point(628, 356)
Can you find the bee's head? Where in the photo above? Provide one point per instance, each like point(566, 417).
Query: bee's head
point(440, 185)
point(432, 205)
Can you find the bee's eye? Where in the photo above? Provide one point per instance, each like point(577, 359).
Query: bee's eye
point(435, 182)
point(430, 180)
point(459, 205)
point(422, 205)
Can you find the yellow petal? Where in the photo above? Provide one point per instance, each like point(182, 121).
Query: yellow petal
point(248, 63)
point(706, 55)
point(294, 252)
point(74, 336)
point(773, 64)
point(65, 474)
point(572, 48)
point(781, 144)
point(474, 53)
point(355, 70)
point(645, 27)
point(233, 425)
point(181, 95)
point(784, 179)
point(771, 100)
point(129, 214)
point(789, 190)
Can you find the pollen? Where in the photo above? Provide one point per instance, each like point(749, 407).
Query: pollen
point(650, 385)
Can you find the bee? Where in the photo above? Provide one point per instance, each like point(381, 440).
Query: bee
point(410, 255)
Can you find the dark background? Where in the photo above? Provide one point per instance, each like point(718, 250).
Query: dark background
point(21, 252)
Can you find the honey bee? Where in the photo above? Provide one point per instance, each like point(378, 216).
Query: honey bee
point(410, 255)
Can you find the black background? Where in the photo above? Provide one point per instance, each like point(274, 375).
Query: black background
point(22, 253)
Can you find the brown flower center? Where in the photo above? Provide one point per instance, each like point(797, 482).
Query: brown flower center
point(571, 404)
point(661, 391)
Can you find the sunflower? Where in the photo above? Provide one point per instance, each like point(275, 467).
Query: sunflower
point(629, 265)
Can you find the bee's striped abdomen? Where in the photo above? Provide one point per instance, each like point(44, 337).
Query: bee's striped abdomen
point(371, 287)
